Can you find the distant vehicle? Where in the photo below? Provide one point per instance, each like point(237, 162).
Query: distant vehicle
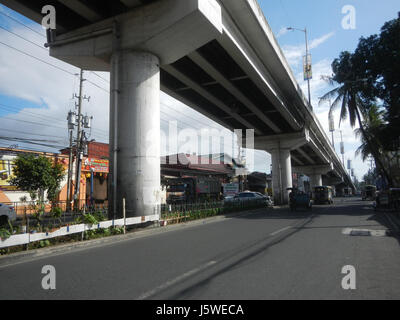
point(193, 189)
point(368, 193)
point(248, 197)
point(348, 192)
point(299, 199)
point(7, 213)
point(323, 194)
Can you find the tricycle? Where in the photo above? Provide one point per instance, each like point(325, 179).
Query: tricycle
point(299, 199)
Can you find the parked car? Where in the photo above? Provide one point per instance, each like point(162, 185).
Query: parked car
point(248, 197)
point(7, 213)
point(267, 199)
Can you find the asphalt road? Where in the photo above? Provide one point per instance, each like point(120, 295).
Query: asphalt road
point(270, 254)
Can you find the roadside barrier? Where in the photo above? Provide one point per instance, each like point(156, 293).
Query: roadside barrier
point(27, 238)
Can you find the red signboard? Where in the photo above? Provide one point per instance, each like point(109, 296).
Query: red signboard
point(96, 165)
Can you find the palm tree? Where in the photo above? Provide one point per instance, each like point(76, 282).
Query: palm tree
point(373, 122)
point(348, 96)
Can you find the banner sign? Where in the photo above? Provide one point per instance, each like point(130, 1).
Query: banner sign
point(331, 123)
point(307, 67)
point(231, 189)
point(97, 165)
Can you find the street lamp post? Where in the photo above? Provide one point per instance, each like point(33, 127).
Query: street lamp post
point(307, 62)
point(342, 147)
point(332, 126)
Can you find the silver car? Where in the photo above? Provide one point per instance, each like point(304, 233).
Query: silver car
point(248, 197)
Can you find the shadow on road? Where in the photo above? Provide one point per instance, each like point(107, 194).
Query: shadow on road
point(239, 258)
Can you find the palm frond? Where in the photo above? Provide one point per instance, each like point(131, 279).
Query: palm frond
point(335, 104)
point(329, 95)
point(328, 79)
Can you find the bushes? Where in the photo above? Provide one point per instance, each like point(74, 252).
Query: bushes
point(4, 234)
point(205, 210)
point(190, 215)
point(102, 233)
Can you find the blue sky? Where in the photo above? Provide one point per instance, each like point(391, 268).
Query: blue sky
point(322, 17)
point(327, 38)
point(40, 96)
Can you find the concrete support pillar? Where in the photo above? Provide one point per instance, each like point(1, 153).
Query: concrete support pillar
point(281, 175)
point(315, 180)
point(135, 133)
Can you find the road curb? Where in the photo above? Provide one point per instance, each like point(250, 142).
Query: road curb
point(25, 256)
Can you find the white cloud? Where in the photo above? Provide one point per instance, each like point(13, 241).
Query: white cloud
point(294, 54)
point(282, 32)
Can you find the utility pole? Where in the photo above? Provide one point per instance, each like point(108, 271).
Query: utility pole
point(342, 147)
point(332, 126)
point(71, 126)
point(308, 66)
point(80, 145)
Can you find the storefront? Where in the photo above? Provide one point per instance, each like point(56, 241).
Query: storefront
point(96, 174)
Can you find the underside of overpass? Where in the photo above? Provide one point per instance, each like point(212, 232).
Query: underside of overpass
point(217, 56)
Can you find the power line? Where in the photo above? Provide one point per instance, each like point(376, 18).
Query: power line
point(32, 114)
point(17, 21)
point(32, 134)
point(96, 85)
point(41, 117)
point(34, 123)
point(50, 64)
point(99, 76)
point(36, 58)
point(64, 70)
point(33, 143)
point(30, 139)
point(21, 37)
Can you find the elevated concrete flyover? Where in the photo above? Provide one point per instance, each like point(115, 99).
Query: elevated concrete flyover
point(218, 56)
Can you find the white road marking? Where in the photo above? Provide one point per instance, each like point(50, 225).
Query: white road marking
point(364, 232)
point(281, 230)
point(176, 280)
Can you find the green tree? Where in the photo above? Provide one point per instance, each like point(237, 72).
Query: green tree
point(349, 95)
point(378, 60)
point(372, 123)
point(37, 174)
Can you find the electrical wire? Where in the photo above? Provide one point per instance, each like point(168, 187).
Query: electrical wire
point(21, 37)
point(66, 71)
point(19, 22)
